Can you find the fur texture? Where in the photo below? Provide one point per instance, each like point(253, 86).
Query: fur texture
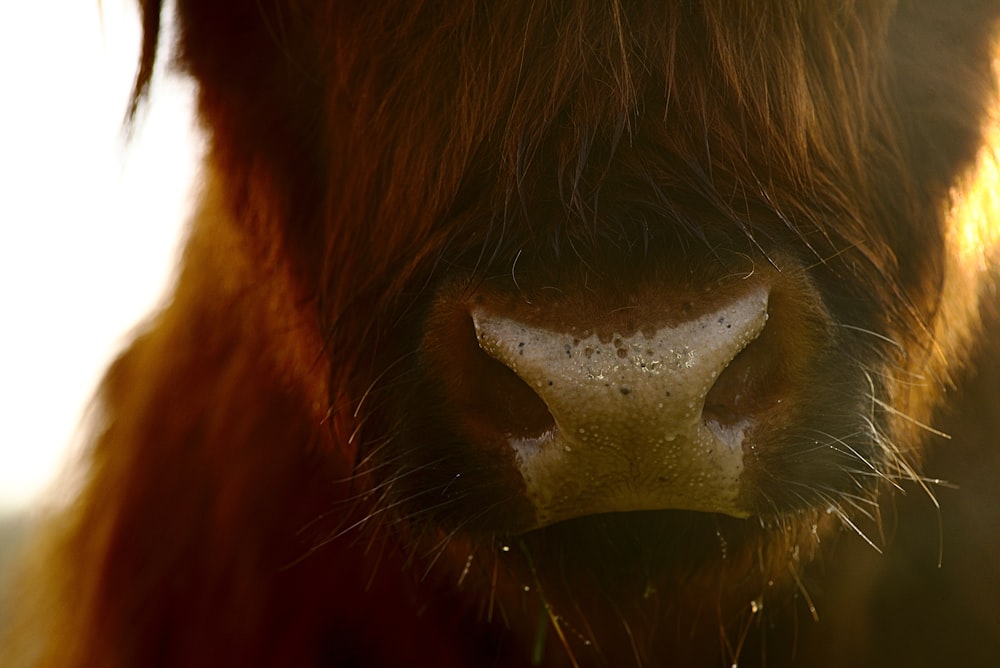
point(273, 480)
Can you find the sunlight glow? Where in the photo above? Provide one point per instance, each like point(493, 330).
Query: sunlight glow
point(89, 224)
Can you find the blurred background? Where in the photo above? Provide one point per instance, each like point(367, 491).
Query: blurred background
point(89, 223)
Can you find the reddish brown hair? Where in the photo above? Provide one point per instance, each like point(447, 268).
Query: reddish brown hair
point(361, 155)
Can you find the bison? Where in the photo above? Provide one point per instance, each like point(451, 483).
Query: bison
point(590, 333)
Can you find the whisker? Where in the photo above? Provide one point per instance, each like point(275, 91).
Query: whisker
point(894, 411)
point(869, 332)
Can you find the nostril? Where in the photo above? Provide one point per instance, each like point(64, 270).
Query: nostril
point(489, 402)
point(509, 406)
point(765, 373)
point(739, 391)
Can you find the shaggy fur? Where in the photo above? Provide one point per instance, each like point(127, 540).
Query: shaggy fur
point(275, 480)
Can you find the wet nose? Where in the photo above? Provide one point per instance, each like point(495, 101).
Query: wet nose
point(629, 427)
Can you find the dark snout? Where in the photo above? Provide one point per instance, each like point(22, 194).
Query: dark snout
point(661, 395)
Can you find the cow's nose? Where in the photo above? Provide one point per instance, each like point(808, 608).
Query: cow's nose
point(629, 425)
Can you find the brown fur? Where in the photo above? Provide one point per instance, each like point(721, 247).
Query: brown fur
point(255, 490)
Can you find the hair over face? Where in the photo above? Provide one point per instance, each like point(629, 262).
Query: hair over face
point(311, 457)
